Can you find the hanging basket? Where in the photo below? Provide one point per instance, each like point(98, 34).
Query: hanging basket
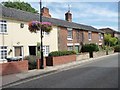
point(35, 26)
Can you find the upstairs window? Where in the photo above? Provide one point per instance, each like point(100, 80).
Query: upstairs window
point(100, 36)
point(70, 34)
point(3, 26)
point(89, 36)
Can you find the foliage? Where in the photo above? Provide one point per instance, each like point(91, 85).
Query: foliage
point(35, 26)
point(90, 47)
point(61, 53)
point(109, 40)
point(117, 48)
point(20, 5)
point(113, 41)
point(32, 61)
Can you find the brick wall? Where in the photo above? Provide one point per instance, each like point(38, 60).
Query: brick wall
point(51, 61)
point(38, 63)
point(13, 67)
point(77, 38)
point(95, 38)
point(62, 38)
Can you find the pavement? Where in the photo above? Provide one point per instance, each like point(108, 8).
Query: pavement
point(14, 78)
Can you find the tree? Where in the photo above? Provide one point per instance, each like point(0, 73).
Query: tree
point(113, 41)
point(20, 5)
point(109, 40)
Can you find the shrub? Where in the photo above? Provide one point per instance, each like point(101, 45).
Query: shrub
point(31, 61)
point(90, 47)
point(61, 53)
point(117, 48)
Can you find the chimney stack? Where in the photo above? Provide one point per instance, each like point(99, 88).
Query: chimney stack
point(45, 12)
point(68, 16)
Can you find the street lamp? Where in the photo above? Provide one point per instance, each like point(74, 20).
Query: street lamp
point(41, 62)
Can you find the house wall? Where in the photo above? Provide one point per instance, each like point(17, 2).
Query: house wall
point(63, 42)
point(62, 38)
point(77, 38)
point(17, 36)
point(94, 39)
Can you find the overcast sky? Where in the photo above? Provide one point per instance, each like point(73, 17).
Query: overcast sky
point(100, 14)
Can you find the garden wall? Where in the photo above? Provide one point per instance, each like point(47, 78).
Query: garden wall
point(13, 67)
point(38, 63)
point(82, 56)
point(51, 61)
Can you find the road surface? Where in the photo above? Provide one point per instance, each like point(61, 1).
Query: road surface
point(102, 73)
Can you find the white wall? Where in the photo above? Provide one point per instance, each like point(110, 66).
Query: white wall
point(17, 36)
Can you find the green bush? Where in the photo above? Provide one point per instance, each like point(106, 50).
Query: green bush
point(117, 48)
point(31, 61)
point(61, 53)
point(90, 47)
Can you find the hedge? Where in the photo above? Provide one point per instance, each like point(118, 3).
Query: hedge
point(32, 61)
point(61, 53)
point(89, 48)
point(117, 48)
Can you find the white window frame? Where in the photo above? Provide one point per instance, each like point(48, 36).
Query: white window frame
point(89, 35)
point(2, 53)
point(46, 50)
point(100, 36)
point(69, 34)
point(3, 26)
point(71, 48)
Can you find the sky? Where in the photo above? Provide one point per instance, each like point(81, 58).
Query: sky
point(99, 14)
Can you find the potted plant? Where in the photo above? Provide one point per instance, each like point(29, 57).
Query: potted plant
point(35, 26)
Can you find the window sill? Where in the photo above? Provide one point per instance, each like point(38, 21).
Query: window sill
point(89, 39)
point(4, 33)
point(70, 39)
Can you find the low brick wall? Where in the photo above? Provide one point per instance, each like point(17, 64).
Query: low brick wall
point(101, 53)
point(52, 61)
point(13, 67)
point(38, 63)
point(82, 56)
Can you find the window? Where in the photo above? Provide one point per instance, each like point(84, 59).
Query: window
point(89, 35)
point(18, 51)
point(70, 33)
point(100, 36)
point(3, 52)
point(70, 48)
point(46, 50)
point(82, 36)
point(3, 26)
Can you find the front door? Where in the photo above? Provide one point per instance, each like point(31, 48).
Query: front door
point(32, 50)
point(77, 49)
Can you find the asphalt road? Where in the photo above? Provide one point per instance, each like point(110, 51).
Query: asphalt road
point(102, 73)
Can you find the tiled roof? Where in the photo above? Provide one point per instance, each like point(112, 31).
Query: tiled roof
point(112, 30)
point(28, 16)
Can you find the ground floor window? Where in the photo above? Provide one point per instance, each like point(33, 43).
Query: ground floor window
point(70, 48)
point(3, 52)
point(46, 50)
point(18, 50)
